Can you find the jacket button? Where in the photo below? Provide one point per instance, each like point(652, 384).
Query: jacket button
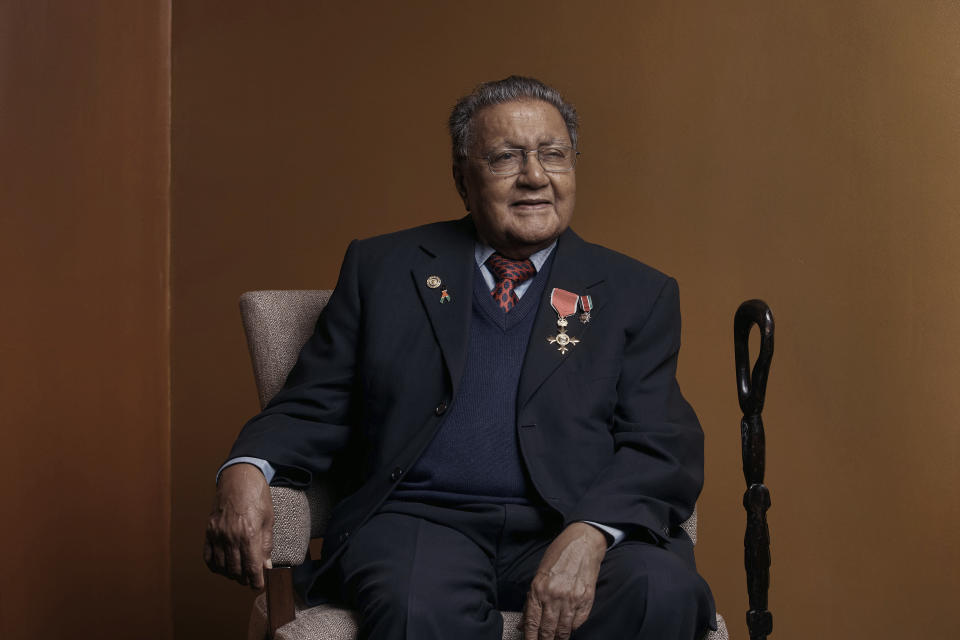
point(441, 409)
point(395, 475)
point(344, 536)
point(666, 531)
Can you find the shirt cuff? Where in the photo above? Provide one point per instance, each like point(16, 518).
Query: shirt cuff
point(265, 467)
point(616, 534)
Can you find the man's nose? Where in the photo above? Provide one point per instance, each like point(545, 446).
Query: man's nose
point(532, 172)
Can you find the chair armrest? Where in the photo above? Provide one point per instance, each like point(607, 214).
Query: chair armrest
point(299, 515)
point(291, 526)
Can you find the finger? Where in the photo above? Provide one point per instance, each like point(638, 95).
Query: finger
point(267, 546)
point(253, 562)
point(209, 548)
point(234, 562)
point(582, 613)
point(254, 577)
point(548, 622)
point(531, 618)
point(219, 562)
point(252, 550)
point(207, 554)
point(565, 624)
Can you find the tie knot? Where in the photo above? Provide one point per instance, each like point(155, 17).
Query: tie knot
point(516, 271)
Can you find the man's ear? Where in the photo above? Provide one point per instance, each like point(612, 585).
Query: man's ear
point(460, 182)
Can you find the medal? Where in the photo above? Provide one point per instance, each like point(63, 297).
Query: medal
point(586, 304)
point(565, 304)
point(444, 296)
point(433, 282)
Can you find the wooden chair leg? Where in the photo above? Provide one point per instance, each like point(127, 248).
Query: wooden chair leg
point(280, 607)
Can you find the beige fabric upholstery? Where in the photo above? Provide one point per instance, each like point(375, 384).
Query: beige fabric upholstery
point(721, 632)
point(291, 526)
point(690, 525)
point(277, 324)
point(327, 622)
point(298, 517)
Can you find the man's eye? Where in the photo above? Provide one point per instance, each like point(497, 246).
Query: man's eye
point(504, 156)
point(553, 153)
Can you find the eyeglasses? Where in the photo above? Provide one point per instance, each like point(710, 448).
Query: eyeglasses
point(509, 162)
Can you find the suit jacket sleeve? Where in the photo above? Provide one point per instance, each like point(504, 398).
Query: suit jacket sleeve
point(656, 471)
point(309, 420)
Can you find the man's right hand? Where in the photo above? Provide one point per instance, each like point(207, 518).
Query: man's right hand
point(240, 527)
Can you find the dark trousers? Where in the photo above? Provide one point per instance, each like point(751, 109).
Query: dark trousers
point(421, 572)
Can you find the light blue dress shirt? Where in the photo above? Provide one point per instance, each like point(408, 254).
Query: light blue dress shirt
point(481, 254)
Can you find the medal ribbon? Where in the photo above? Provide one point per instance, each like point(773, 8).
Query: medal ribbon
point(564, 302)
point(586, 303)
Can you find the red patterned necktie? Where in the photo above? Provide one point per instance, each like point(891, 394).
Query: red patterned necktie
point(508, 274)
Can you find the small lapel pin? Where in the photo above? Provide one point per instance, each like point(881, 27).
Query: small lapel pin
point(434, 282)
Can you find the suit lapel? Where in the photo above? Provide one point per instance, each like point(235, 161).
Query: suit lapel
point(448, 255)
point(573, 272)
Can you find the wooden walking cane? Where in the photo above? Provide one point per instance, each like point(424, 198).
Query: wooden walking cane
point(756, 500)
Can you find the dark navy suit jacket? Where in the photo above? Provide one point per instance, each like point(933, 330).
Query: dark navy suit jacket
point(604, 430)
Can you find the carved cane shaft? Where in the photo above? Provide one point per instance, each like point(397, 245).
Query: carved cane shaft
point(756, 500)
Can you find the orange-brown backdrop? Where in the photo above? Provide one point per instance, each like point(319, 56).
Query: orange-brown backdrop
point(84, 331)
point(804, 154)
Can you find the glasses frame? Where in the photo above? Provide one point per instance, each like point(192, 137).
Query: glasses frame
point(525, 153)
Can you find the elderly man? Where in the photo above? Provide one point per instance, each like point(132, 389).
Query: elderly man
point(496, 401)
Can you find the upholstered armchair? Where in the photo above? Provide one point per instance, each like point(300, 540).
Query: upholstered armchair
point(277, 324)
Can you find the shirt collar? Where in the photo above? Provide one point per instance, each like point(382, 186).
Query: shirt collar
point(482, 252)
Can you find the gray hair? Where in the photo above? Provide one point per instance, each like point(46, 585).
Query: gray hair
point(498, 92)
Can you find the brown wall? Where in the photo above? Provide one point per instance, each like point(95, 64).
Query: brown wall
point(806, 154)
point(84, 173)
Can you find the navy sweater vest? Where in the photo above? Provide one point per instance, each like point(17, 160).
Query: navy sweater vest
point(475, 456)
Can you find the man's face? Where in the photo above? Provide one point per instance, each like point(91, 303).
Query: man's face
point(520, 214)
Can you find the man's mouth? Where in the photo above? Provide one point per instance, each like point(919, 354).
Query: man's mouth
point(533, 203)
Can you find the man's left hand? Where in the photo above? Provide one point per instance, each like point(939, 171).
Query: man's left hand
point(561, 594)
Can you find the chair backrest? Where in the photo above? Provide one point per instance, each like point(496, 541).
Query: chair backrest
point(279, 322)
